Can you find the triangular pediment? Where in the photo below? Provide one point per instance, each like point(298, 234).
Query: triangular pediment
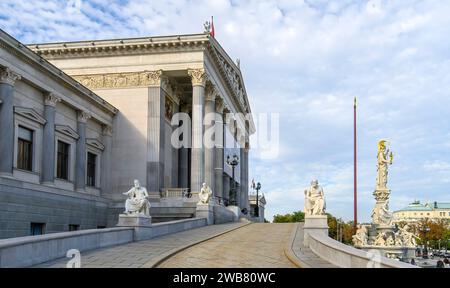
point(67, 130)
point(231, 73)
point(95, 143)
point(30, 114)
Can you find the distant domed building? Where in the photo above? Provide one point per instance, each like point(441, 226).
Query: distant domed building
point(417, 211)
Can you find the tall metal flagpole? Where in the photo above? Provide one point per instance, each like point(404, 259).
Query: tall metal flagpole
point(355, 187)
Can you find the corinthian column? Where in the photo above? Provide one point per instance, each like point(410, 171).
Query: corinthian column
point(7, 80)
point(80, 160)
point(218, 150)
point(155, 134)
point(198, 78)
point(48, 149)
point(210, 118)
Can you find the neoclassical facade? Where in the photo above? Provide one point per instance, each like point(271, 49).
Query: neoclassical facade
point(80, 121)
point(416, 211)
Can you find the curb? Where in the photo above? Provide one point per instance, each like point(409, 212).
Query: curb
point(289, 250)
point(163, 257)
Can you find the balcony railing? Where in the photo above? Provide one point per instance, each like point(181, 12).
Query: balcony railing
point(176, 193)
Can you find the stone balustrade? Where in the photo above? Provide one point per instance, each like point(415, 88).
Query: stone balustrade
point(345, 256)
point(33, 250)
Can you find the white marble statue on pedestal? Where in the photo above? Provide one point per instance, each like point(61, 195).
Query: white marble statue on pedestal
point(137, 202)
point(314, 199)
point(205, 194)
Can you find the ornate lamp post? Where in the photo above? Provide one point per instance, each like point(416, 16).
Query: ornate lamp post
point(233, 162)
point(258, 187)
point(425, 231)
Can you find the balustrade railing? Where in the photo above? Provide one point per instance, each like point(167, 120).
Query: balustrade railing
point(176, 193)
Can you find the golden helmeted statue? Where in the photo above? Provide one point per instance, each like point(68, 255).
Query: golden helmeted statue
point(385, 158)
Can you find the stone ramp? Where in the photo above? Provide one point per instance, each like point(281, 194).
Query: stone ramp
point(144, 253)
point(302, 255)
point(258, 245)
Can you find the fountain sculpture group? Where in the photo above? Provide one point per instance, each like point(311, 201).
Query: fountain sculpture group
point(382, 235)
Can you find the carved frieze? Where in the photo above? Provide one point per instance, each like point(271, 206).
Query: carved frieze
point(120, 80)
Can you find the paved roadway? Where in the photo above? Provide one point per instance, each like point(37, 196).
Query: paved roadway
point(234, 245)
point(253, 246)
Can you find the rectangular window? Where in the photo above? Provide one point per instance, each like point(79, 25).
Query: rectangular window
point(74, 227)
point(25, 149)
point(91, 169)
point(37, 229)
point(62, 166)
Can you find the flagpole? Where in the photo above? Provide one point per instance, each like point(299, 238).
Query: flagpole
point(355, 182)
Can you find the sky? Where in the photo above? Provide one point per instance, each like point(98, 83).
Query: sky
point(305, 61)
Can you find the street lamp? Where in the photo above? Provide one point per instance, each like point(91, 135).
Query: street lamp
point(233, 162)
point(258, 187)
point(425, 231)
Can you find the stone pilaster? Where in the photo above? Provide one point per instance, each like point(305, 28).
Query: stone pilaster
point(80, 157)
point(155, 134)
point(48, 141)
point(210, 118)
point(218, 150)
point(7, 81)
point(106, 171)
point(198, 78)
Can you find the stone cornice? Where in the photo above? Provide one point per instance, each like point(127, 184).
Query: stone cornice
point(51, 99)
point(7, 76)
point(118, 46)
point(21, 51)
point(198, 76)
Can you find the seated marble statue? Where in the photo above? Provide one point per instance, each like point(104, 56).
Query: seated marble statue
point(314, 200)
point(137, 202)
point(205, 194)
point(360, 238)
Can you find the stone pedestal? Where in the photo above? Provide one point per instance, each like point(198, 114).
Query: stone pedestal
point(236, 212)
point(134, 220)
point(316, 223)
point(205, 211)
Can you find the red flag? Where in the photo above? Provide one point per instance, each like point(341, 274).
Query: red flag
point(212, 27)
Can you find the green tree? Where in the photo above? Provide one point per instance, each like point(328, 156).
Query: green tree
point(298, 216)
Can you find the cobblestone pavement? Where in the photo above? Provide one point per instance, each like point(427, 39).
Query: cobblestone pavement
point(137, 254)
point(253, 246)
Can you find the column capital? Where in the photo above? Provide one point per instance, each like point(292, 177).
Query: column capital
point(7, 76)
point(198, 77)
point(211, 92)
point(51, 99)
point(220, 105)
point(83, 116)
point(153, 78)
point(107, 130)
